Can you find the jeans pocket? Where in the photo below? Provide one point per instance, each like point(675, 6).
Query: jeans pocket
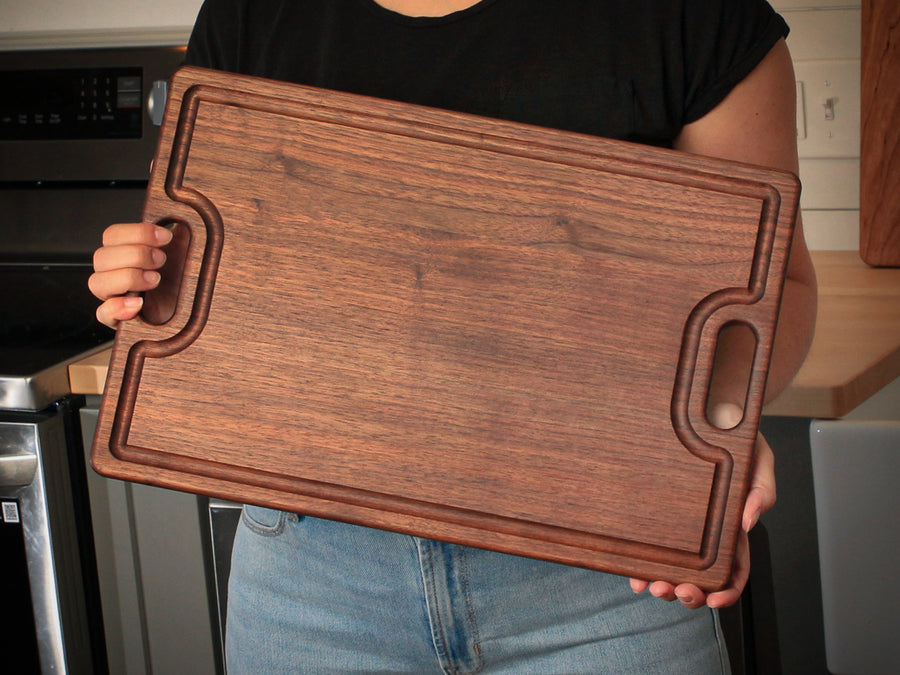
point(267, 522)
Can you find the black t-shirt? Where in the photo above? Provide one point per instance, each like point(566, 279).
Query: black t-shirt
point(634, 70)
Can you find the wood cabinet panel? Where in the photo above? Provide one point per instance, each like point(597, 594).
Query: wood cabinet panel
point(879, 225)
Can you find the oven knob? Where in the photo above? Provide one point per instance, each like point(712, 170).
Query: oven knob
point(156, 101)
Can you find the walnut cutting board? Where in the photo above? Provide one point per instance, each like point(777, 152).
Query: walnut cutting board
point(449, 326)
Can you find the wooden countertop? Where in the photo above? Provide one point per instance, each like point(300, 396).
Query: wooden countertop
point(856, 347)
point(855, 351)
point(88, 376)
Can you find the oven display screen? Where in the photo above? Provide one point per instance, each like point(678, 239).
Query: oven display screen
point(81, 103)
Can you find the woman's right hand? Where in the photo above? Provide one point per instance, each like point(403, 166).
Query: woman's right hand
point(126, 265)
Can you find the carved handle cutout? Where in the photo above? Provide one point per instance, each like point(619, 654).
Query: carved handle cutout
point(160, 303)
point(741, 335)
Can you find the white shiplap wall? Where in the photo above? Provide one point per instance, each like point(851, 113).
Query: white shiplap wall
point(35, 24)
point(821, 31)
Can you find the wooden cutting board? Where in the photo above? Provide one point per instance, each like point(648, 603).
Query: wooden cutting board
point(449, 326)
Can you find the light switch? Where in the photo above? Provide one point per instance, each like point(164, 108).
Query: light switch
point(828, 110)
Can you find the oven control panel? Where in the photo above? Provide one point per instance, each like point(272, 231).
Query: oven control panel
point(77, 103)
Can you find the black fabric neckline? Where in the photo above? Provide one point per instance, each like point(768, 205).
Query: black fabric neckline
point(424, 21)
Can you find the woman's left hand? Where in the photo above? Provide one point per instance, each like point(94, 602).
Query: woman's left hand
point(760, 499)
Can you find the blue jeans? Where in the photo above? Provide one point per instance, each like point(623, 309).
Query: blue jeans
point(315, 596)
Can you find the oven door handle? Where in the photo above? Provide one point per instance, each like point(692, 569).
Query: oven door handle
point(17, 468)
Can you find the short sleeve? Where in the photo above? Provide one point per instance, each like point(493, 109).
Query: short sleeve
point(216, 36)
point(724, 41)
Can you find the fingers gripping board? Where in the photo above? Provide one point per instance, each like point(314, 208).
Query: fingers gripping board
point(448, 326)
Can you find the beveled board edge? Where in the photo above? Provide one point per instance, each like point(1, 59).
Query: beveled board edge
point(488, 135)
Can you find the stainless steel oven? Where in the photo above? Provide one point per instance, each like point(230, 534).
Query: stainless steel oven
point(76, 141)
point(51, 619)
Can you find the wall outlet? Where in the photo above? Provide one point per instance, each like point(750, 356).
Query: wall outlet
point(828, 109)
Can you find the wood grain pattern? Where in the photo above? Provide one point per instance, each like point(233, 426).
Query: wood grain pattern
point(879, 242)
point(449, 326)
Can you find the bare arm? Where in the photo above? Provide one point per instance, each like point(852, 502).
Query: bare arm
point(755, 124)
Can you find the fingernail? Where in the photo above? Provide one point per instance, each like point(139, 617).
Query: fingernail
point(752, 522)
point(163, 235)
point(158, 256)
point(133, 301)
point(151, 277)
